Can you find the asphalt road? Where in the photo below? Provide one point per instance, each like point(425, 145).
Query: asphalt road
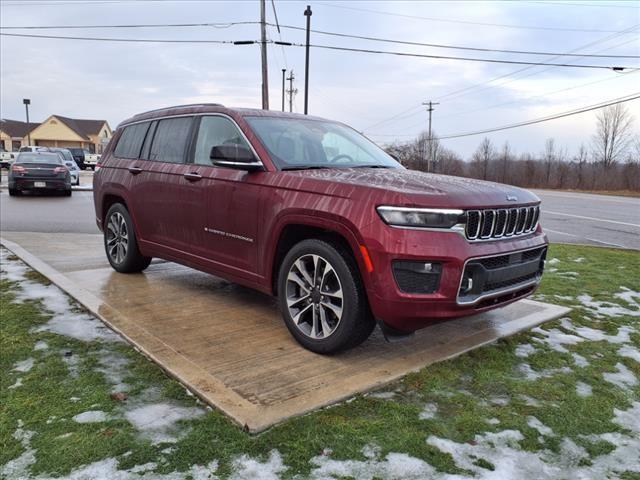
point(591, 219)
point(566, 216)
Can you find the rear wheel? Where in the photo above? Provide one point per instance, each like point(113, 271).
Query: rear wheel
point(120, 242)
point(322, 299)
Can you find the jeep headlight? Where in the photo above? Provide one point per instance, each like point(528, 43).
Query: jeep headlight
point(421, 217)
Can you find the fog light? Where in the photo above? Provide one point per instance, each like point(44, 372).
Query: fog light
point(417, 277)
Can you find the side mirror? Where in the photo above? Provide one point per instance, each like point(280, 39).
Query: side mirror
point(235, 156)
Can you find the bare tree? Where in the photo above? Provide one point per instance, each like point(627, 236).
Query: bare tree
point(483, 157)
point(581, 160)
point(505, 159)
point(549, 156)
point(613, 134)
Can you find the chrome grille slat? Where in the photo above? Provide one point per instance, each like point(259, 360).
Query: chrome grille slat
point(503, 223)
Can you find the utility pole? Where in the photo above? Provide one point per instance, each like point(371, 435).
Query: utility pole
point(291, 91)
point(263, 50)
point(27, 102)
point(307, 13)
point(430, 109)
point(284, 72)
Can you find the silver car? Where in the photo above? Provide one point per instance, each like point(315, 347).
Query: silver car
point(70, 163)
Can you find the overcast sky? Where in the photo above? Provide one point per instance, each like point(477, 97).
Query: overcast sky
point(112, 81)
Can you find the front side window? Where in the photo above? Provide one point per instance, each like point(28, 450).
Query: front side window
point(130, 141)
point(170, 140)
point(295, 143)
point(215, 131)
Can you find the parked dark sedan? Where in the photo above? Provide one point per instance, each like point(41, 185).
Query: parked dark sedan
point(78, 156)
point(39, 171)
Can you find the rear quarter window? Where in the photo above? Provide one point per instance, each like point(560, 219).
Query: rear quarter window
point(130, 141)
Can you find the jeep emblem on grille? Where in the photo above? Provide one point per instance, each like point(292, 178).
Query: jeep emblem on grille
point(512, 198)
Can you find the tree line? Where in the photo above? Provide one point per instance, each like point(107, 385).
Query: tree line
point(610, 161)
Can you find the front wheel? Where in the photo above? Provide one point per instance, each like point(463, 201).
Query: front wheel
point(322, 299)
point(120, 242)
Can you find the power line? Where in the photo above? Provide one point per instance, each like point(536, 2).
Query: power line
point(457, 47)
point(606, 103)
point(571, 4)
point(476, 87)
point(134, 40)
point(469, 59)
point(466, 22)
point(321, 32)
point(128, 25)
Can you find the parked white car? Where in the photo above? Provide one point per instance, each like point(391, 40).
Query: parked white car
point(70, 163)
point(32, 148)
point(7, 158)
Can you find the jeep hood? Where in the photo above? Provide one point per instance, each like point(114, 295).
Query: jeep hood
point(412, 188)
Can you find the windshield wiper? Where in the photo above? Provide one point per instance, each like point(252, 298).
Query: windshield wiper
point(308, 167)
point(372, 166)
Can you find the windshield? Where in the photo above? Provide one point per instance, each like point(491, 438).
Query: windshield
point(27, 157)
point(295, 143)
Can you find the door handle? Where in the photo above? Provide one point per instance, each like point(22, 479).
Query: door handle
point(192, 177)
point(135, 170)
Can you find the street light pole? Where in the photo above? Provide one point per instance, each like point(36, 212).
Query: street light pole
point(284, 72)
point(307, 13)
point(430, 109)
point(27, 102)
point(263, 51)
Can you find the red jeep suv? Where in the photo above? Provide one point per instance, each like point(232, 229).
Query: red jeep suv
point(311, 211)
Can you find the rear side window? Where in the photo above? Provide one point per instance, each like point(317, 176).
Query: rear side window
point(130, 141)
point(170, 140)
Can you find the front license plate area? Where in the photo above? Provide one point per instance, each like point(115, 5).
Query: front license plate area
point(40, 184)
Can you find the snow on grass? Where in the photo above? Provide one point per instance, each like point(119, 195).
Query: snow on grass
point(159, 422)
point(16, 468)
point(623, 377)
point(429, 411)
point(92, 416)
point(525, 370)
point(382, 395)
point(583, 389)
point(40, 345)
point(556, 339)
point(579, 259)
point(553, 261)
point(73, 364)
point(536, 424)
point(17, 384)
point(115, 368)
point(246, 467)
point(629, 352)
point(524, 350)
point(65, 319)
point(609, 309)
point(24, 366)
point(579, 360)
point(530, 401)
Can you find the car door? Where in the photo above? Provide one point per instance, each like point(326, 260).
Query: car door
point(169, 198)
point(233, 201)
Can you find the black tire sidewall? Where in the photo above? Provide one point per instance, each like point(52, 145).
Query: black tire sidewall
point(353, 298)
point(133, 261)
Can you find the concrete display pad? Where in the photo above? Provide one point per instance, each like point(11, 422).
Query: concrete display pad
point(228, 343)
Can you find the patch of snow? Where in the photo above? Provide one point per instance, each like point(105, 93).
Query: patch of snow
point(500, 401)
point(429, 411)
point(73, 364)
point(579, 260)
point(579, 360)
point(529, 373)
point(609, 309)
point(536, 424)
point(159, 421)
point(569, 274)
point(17, 384)
point(41, 345)
point(553, 261)
point(564, 297)
point(114, 367)
point(382, 395)
point(64, 435)
point(583, 389)
point(24, 366)
point(623, 377)
point(556, 339)
point(246, 468)
point(92, 416)
point(144, 467)
point(75, 399)
point(524, 350)
point(493, 421)
point(630, 352)
point(529, 401)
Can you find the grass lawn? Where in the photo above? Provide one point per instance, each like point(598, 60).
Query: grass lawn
point(561, 401)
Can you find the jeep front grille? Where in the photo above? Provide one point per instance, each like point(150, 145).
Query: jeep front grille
point(491, 224)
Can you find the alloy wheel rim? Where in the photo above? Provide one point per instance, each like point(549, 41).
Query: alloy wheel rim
point(117, 238)
point(314, 296)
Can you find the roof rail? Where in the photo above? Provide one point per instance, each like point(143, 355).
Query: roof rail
point(181, 106)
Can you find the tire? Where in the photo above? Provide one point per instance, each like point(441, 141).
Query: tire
point(67, 193)
point(338, 289)
point(120, 243)
point(14, 192)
